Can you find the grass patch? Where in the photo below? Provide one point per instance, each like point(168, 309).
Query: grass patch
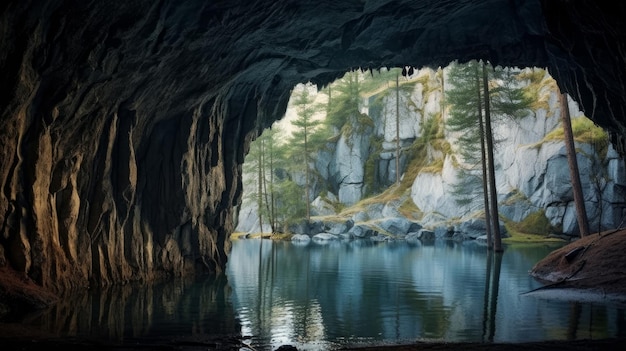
point(409, 210)
point(435, 167)
point(237, 235)
point(281, 236)
point(529, 238)
point(534, 228)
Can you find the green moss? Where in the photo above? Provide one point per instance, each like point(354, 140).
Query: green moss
point(535, 76)
point(539, 89)
point(585, 131)
point(535, 223)
point(376, 147)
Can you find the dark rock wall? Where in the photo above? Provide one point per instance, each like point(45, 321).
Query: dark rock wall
point(123, 124)
point(119, 162)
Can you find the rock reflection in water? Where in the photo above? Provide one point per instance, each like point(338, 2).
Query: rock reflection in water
point(194, 308)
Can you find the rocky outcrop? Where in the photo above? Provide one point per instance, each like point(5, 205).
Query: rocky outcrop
point(532, 169)
point(123, 125)
point(533, 175)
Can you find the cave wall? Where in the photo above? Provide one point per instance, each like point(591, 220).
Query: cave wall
point(123, 124)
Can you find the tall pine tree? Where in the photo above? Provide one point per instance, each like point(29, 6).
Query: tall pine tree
point(305, 125)
point(478, 94)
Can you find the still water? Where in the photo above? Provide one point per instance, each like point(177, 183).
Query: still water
point(360, 292)
point(338, 294)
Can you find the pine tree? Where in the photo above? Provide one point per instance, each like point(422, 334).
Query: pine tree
point(254, 168)
point(305, 125)
point(502, 97)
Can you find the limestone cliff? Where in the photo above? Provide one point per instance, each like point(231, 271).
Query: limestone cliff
point(531, 164)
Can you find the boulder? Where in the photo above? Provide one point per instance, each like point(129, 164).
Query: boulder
point(339, 227)
point(397, 226)
point(322, 207)
point(325, 237)
point(361, 231)
point(300, 238)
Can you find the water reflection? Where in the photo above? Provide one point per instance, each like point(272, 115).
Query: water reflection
point(320, 297)
point(492, 285)
point(344, 293)
point(196, 309)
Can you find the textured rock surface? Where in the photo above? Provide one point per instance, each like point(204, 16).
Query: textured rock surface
point(123, 123)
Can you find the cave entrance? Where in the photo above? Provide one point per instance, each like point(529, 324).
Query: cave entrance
point(334, 157)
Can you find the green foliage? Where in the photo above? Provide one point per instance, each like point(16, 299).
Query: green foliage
point(345, 99)
point(432, 138)
point(290, 204)
point(264, 158)
point(302, 143)
point(508, 97)
point(468, 187)
point(379, 81)
point(464, 100)
point(465, 97)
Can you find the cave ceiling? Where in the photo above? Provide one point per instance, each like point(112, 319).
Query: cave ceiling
point(166, 57)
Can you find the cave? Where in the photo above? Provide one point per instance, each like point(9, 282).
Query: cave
point(124, 124)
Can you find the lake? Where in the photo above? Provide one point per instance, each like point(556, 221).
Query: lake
point(323, 296)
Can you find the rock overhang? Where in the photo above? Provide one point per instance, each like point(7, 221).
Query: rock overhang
point(298, 42)
point(159, 101)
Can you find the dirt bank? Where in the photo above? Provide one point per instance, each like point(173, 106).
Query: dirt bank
point(595, 264)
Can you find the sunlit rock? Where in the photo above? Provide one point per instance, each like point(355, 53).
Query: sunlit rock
point(322, 206)
point(350, 155)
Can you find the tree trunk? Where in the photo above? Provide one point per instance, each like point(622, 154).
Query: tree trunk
point(272, 200)
point(497, 239)
point(266, 194)
point(483, 159)
point(443, 95)
point(260, 188)
point(579, 200)
point(397, 130)
point(306, 172)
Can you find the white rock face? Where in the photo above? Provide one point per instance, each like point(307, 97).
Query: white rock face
point(322, 207)
point(350, 156)
point(407, 116)
point(249, 221)
point(431, 193)
point(539, 172)
point(532, 173)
